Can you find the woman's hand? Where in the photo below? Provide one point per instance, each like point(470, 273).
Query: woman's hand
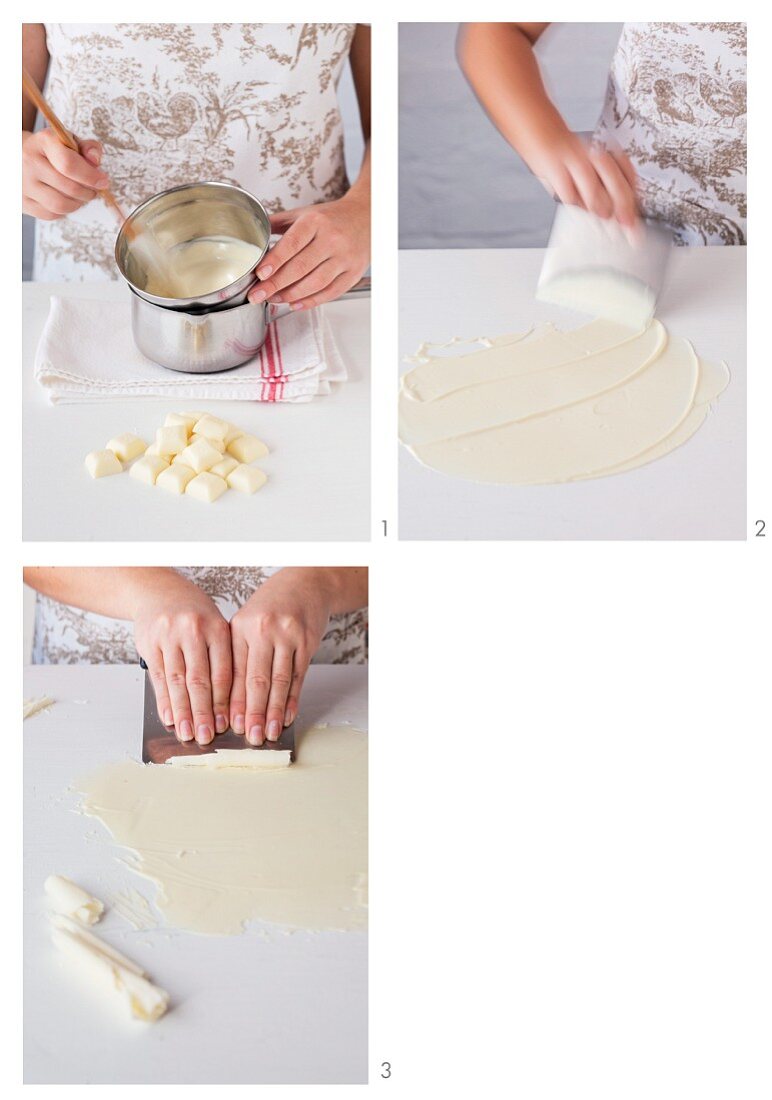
point(324, 251)
point(600, 181)
point(499, 62)
point(185, 642)
point(274, 636)
point(57, 180)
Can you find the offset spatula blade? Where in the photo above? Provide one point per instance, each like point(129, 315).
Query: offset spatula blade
point(160, 743)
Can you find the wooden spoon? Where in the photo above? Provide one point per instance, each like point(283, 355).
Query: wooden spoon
point(67, 138)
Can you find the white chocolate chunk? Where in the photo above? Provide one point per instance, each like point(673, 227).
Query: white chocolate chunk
point(127, 446)
point(183, 420)
point(224, 466)
point(218, 443)
point(148, 468)
point(103, 463)
point(246, 479)
point(170, 441)
point(233, 433)
point(246, 448)
point(235, 758)
point(212, 427)
point(156, 451)
point(72, 900)
point(200, 456)
point(110, 971)
point(174, 478)
point(207, 487)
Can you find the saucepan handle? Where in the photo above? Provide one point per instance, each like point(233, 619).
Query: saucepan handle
point(361, 289)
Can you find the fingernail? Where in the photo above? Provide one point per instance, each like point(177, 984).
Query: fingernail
point(238, 723)
point(93, 156)
point(103, 180)
point(276, 299)
point(221, 723)
point(274, 730)
point(289, 718)
point(168, 717)
point(186, 730)
point(257, 296)
point(255, 735)
point(264, 272)
point(203, 734)
point(296, 305)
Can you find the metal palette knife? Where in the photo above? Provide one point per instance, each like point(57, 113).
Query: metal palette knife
point(596, 266)
point(159, 743)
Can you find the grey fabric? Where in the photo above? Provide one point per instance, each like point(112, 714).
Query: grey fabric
point(461, 185)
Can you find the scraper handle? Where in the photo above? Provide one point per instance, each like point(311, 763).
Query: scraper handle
point(143, 664)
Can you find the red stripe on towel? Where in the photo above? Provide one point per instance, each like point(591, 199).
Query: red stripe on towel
point(281, 364)
point(269, 340)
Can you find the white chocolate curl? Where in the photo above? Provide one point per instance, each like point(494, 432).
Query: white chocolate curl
point(234, 758)
point(72, 900)
point(107, 969)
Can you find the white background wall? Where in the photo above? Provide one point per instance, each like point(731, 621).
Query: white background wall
point(461, 185)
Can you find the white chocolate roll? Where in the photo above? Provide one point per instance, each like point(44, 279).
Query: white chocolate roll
point(108, 970)
point(72, 900)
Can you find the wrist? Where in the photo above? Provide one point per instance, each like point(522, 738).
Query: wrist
point(357, 197)
point(150, 588)
point(539, 142)
point(344, 587)
point(311, 583)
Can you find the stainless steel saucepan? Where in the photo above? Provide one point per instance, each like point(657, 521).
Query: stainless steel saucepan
point(206, 342)
point(216, 331)
point(184, 214)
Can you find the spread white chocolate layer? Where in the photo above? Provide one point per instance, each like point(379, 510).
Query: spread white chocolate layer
point(550, 406)
point(227, 845)
point(71, 900)
point(110, 971)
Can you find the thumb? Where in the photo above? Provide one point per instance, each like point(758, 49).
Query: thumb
point(92, 151)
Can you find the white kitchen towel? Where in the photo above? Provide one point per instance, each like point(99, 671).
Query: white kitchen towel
point(87, 353)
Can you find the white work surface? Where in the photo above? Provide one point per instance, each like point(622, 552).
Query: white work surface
point(318, 470)
point(245, 1009)
point(696, 492)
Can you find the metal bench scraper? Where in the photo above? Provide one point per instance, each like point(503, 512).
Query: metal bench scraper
point(160, 743)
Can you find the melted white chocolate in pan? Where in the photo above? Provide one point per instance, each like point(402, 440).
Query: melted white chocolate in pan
point(195, 268)
point(549, 406)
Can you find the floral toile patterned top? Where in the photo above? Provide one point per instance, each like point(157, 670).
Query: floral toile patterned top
point(253, 104)
point(676, 104)
point(68, 636)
